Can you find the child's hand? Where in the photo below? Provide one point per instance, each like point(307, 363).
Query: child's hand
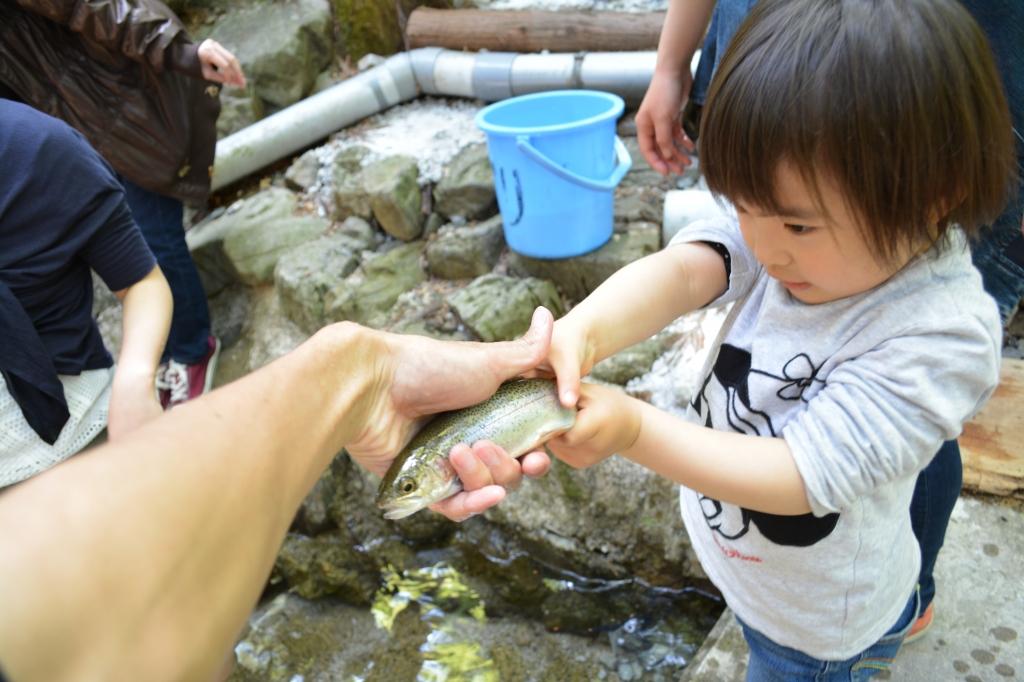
point(607, 423)
point(570, 356)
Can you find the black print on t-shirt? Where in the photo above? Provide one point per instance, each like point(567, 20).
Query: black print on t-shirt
point(731, 372)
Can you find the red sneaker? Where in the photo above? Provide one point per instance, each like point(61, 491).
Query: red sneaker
point(921, 625)
point(178, 383)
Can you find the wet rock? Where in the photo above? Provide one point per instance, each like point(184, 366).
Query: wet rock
point(394, 192)
point(255, 249)
point(292, 638)
point(206, 240)
point(640, 533)
point(374, 26)
point(304, 275)
point(466, 252)
point(313, 516)
point(641, 174)
point(282, 46)
point(424, 527)
point(577, 277)
point(229, 311)
point(497, 308)
point(425, 311)
point(467, 187)
point(302, 174)
point(350, 198)
point(580, 612)
point(238, 109)
point(267, 335)
point(638, 204)
point(361, 233)
point(326, 79)
point(434, 222)
point(328, 640)
point(328, 564)
point(633, 361)
point(368, 294)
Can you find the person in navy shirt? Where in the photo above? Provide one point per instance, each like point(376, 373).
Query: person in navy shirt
point(62, 215)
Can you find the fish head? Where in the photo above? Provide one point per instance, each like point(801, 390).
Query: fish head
point(421, 481)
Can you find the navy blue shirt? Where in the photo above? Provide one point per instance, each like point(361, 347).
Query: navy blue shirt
point(62, 213)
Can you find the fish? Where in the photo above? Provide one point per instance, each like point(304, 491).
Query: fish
point(519, 417)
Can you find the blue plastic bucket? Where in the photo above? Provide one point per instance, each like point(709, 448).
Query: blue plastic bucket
point(556, 164)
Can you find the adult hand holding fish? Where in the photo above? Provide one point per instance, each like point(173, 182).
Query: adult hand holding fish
point(201, 498)
point(423, 377)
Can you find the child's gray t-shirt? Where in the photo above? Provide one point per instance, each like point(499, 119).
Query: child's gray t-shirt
point(864, 390)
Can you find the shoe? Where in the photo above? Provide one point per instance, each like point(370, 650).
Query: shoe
point(921, 625)
point(163, 393)
point(178, 383)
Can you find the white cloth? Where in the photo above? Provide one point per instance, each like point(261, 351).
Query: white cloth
point(24, 454)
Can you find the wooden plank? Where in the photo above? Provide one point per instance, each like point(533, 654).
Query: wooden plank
point(533, 30)
point(992, 444)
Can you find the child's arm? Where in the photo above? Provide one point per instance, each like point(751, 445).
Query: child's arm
point(146, 321)
point(754, 472)
point(630, 306)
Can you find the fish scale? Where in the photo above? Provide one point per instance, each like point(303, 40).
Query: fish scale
point(520, 416)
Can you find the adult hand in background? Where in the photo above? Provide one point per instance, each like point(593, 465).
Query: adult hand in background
point(662, 141)
point(219, 65)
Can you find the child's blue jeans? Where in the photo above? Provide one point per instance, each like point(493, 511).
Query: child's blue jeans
point(771, 662)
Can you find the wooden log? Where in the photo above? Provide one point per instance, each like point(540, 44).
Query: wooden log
point(992, 444)
point(533, 30)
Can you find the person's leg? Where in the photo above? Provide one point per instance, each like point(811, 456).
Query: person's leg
point(999, 256)
point(725, 20)
point(938, 487)
point(772, 662)
point(159, 217)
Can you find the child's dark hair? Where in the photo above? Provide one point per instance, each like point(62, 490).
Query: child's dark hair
point(898, 102)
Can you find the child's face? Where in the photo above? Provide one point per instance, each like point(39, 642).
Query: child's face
point(818, 256)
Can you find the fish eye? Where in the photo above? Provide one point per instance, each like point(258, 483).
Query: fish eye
point(407, 485)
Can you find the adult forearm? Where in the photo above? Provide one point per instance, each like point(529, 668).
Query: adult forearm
point(642, 298)
point(755, 472)
point(685, 25)
point(166, 568)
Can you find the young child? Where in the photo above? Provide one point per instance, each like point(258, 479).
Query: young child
point(855, 138)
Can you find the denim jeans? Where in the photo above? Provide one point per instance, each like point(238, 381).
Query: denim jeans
point(999, 256)
point(726, 18)
point(771, 662)
point(935, 493)
point(159, 218)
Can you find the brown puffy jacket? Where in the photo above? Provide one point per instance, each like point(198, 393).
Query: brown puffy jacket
point(125, 74)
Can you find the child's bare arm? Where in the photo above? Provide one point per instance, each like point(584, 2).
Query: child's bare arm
point(754, 472)
point(146, 321)
point(630, 306)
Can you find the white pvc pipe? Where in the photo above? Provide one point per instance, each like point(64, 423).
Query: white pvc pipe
point(684, 206)
point(429, 70)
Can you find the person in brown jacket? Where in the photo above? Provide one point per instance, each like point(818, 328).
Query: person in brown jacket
point(128, 77)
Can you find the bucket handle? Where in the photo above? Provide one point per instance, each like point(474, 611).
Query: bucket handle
point(623, 163)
